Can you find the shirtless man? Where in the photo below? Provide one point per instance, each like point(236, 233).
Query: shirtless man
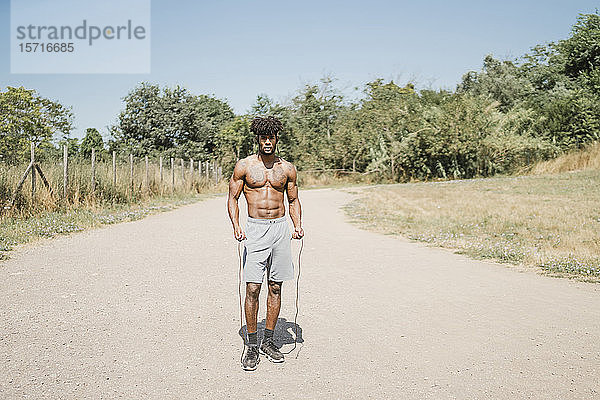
point(264, 178)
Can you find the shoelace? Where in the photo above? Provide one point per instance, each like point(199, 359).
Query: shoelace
point(252, 351)
point(270, 344)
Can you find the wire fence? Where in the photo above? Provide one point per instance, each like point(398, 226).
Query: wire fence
point(121, 178)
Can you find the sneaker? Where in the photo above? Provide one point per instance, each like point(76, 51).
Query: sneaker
point(251, 359)
point(269, 349)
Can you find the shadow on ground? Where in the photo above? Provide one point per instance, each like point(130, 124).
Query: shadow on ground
point(284, 332)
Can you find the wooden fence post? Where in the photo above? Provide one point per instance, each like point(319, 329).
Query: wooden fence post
point(215, 172)
point(182, 173)
point(93, 170)
point(206, 170)
point(32, 167)
point(114, 169)
point(160, 163)
point(199, 169)
point(131, 173)
point(191, 172)
point(192, 168)
point(32, 171)
point(20, 184)
point(65, 172)
point(44, 180)
point(147, 176)
point(172, 174)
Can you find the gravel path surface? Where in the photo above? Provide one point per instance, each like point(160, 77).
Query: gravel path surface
point(149, 309)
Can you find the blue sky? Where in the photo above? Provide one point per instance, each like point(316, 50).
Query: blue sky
point(235, 50)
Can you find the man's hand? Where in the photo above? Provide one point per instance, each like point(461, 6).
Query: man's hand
point(298, 233)
point(238, 233)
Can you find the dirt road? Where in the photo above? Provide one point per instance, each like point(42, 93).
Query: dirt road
point(149, 309)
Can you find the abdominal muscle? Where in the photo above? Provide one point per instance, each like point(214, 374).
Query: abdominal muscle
point(264, 202)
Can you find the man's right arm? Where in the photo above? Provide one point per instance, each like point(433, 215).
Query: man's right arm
point(236, 185)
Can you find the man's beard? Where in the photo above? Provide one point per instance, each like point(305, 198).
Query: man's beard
point(262, 152)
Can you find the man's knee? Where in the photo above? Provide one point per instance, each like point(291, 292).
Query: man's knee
point(275, 288)
point(252, 290)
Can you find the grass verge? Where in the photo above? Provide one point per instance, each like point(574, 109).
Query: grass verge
point(548, 222)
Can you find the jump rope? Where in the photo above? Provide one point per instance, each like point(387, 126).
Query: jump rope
point(239, 246)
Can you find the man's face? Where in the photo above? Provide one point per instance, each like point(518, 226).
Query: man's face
point(267, 144)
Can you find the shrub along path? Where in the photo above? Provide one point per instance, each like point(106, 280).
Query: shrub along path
point(149, 309)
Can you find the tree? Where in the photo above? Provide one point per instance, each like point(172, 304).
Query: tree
point(498, 80)
point(389, 113)
point(27, 117)
point(310, 122)
point(171, 121)
point(235, 141)
point(350, 141)
point(580, 52)
point(566, 79)
point(263, 105)
point(569, 118)
point(92, 140)
point(558, 82)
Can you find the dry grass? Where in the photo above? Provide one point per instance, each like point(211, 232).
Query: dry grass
point(80, 192)
point(586, 159)
point(320, 179)
point(550, 222)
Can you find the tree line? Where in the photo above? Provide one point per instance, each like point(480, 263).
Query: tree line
point(509, 114)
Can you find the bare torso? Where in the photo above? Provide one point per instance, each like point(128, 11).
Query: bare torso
point(264, 187)
point(265, 181)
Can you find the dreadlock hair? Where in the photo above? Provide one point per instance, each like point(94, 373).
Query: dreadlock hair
point(266, 126)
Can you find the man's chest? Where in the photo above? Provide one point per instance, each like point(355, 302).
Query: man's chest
point(259, 176)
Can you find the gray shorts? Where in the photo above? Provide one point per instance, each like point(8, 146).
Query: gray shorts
point(268, 249)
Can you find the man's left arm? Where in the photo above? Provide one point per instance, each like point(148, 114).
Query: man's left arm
point(295, 208)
